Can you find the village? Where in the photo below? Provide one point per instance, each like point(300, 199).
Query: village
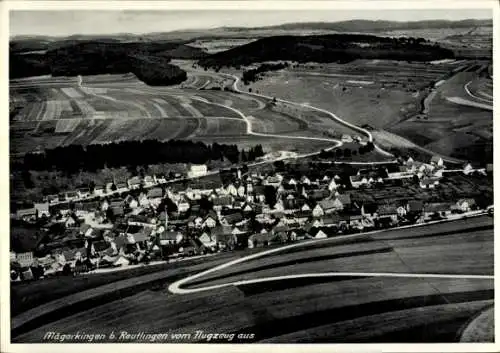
point(149, 219)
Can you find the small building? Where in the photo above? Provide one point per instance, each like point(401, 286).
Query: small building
point(347, 138)
point(197, 170)
point(149, 181)
point(437, 161)
point(466, 205)
point(27, 214)
point(42, 209)
point(134, 183)
point(429, 183)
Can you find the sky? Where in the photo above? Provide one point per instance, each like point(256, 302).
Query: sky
point(68, 22)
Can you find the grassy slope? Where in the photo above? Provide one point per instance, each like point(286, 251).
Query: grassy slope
point(306, 310)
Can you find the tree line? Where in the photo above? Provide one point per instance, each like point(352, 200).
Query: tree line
point(341, 48)
point(254, 74)
point(73, 158)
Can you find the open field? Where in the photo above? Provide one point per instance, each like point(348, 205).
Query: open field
point(414, 306)
point(118, 107)
point(456, 123)
point(396, 99)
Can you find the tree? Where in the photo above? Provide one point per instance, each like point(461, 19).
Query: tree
point(270, 195)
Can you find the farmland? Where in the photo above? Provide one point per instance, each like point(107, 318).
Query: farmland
point(103, 108)
point(443, 107)
point(347, 307)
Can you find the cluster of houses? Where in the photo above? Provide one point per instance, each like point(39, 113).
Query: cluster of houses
point(254, 210)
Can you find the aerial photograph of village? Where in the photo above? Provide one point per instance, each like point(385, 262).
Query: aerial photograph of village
point(256, 176)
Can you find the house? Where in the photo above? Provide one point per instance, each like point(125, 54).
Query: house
point(155, 193)
point(210, 220)
point(437, 210)
point(42, 209)
point(197, 170)
point(160, 179)
point(344, 199)
point(260, 239)
point(273, 180)
point(320, 235)
point(241, 191)
point(305, 207)
point(208, 240)
point(466, 205)
point(467, 168)
point(25, 259)
point(134, 183)
point(52, 199)
point(387, 211)
point(83, 192)
point(169, 237)
point(247, 208)
point(27, 214)
point(332, 185)
point(183, 205)
point(429, 183)
point(331, 220)
point(148, 181)
point(232, 218)
point(346, 138)
point(99, 190)
point(437, 161)
point(358, 180)
point(121, 187)
point(232, 190)
point(330, 205)
point(305, 180)
point(143, 200)
point(109, 187)
point(318, 194)
point(72, 196)
point(222, 201)
point(415, 206)
point(318, 211)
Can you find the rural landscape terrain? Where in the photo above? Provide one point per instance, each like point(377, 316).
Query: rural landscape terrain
point(298, 183)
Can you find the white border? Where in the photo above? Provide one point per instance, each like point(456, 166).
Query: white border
point(5, 6)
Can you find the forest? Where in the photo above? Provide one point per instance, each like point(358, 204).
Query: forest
point(150, 62)
point(74, 158)
point(340, 48)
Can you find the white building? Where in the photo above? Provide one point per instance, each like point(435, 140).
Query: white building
point(197, 170)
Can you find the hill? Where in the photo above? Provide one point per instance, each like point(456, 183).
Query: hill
point(371, 26)
point(340, 48)
point(149, 61)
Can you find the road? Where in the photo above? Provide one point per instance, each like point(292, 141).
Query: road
point(335, 117)
point(175, 287)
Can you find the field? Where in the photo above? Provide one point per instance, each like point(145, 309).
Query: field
point(407, 104)
point(430, 294)
point(50, 112)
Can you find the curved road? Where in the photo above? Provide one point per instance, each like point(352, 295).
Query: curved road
point(175, 287)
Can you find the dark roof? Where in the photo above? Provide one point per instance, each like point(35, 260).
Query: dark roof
point(233, 217)
point(387, 210)
point(100, 245)
point(222, 230)
point(168, 235)
point(134, 180)
point(345, 199)
point(155, 192)
point(415, 205)
point(117, 211)
point(438, 207)
point(222, 200)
